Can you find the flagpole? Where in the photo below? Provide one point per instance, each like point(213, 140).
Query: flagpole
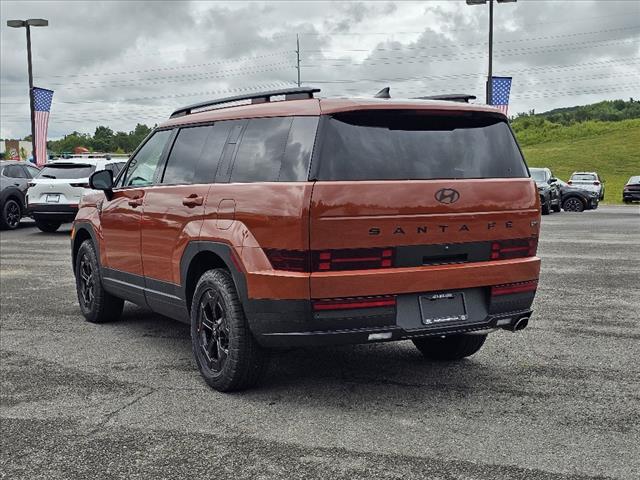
point(31, 105)
point(490, 75)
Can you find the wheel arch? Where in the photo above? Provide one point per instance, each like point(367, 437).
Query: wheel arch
point(83, 231)
point(200, 256)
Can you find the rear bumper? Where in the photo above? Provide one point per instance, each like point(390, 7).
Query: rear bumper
point(52, 212)
point(287, 323)
point(633, 196)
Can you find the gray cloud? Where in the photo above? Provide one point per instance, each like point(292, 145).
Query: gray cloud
point(117, 63)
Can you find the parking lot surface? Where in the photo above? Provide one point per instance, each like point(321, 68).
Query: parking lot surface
point(560, 399)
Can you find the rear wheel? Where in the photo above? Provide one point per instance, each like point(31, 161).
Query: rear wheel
point(451, 347)
point(573, 204)
point(96, 304)
point(10, 215)
point(228, 356)
point(47, 225)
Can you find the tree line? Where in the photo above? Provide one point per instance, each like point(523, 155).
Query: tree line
point(104, 139)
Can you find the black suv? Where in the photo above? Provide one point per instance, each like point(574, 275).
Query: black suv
point(548, 188)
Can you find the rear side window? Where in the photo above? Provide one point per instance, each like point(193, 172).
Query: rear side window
point(401, 145)
point(185, 155)
point(297, 155)
point(68, 170)
point(261, 150)
point(195, 154)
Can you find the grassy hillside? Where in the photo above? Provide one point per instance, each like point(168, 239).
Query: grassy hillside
point(610, 148)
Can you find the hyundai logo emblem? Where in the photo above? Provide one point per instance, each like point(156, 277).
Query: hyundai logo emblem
point(447, 195)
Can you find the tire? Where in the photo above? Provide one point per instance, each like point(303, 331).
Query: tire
point(47, 226)
point(227, 355)
point(545, 209)
point(10, 215)
point(573, 204)
point(451, 347)
point(96, 304)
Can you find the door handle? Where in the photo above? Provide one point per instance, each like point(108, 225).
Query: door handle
point(193, 200)
point(135, 201)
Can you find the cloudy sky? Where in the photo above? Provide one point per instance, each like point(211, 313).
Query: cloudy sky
point(118, 63)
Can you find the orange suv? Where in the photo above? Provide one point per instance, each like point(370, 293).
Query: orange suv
point(294, 220)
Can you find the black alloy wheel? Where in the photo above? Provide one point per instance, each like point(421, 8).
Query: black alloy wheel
point(213, 330)
point(11, 215)
point(228, 356)
point(96, 304)
point(86, 282)
point(573, 204)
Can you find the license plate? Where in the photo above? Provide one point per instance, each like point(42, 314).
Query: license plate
point(443, 308)
point(53, 197)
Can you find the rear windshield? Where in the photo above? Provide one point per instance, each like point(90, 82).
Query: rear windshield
point(634, 180)
point(67, 171)
point(583, 177)
point(388, 145)
point(539, 176)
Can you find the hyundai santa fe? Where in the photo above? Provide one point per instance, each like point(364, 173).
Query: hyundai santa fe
point(308, 221)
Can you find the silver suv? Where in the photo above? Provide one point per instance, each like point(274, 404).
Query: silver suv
point(589, 181)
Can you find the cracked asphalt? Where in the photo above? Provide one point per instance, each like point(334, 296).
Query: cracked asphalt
point(560, 399)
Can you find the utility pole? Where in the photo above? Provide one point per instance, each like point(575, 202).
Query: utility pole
point(298, 56)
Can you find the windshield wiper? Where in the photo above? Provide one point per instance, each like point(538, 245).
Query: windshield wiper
point(47, 176)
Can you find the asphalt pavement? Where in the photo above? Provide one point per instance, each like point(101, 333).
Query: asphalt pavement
point(561, 399)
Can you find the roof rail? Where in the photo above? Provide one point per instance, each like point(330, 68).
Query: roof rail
point(452, 97)
point(294, 93)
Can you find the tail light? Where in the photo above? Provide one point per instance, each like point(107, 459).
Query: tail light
point(353, 259)
point(570, 182)
point(31, 184)
point(82, 184)
point(596, 183)
point(517, 248)
point(353, 303)
point(511, 288)
point(292, 260)
point(331, 260)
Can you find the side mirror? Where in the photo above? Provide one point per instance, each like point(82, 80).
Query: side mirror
point(553, 180)
point(102, 180)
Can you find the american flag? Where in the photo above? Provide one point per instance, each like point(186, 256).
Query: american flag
point(500, 89)
point(42, 104)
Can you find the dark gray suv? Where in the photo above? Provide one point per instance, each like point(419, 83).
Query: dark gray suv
point(548, 188)
point(14, 181)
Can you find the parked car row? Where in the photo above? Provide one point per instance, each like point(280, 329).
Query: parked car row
point(576, 195)
point(50, 195)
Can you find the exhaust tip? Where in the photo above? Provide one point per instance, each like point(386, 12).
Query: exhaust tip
point(520, 324)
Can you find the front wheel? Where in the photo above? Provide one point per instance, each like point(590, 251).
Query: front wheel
point(96, 304)
point(227, 355)
point(573, 204)
point(451, 347)
point(47, 226)
point(10, 215)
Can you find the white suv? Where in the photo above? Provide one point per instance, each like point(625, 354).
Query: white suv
point(589, 181)
point(53, 196)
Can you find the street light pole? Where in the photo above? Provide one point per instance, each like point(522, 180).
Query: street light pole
point(32, 22)
point(31, 105)
point(490, 74)
point(489, 89)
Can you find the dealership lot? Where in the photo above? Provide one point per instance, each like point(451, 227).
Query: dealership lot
point(558, 400)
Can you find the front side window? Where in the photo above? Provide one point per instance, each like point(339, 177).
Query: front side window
point(33, 171)
point(417, 145)
point(13, 171)
point(142, 168)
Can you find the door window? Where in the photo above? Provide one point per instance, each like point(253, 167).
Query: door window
point(261, 150)
point(142, 168)
point(32, 171)
point(14, 171)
